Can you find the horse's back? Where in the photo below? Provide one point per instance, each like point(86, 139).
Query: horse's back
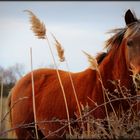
point(49, 99)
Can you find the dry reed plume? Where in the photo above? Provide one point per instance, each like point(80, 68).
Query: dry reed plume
point(94, 66)
point(59, 49)
point(37, 27)
point(61, 56)
point(92, 61)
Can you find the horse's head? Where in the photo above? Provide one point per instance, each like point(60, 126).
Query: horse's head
point(132, 36)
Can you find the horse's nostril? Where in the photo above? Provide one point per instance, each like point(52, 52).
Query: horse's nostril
point(130, 43)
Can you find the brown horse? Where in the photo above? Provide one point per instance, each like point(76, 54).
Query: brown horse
point(120, 62)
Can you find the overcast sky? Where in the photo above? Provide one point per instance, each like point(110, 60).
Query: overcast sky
point(77, 25)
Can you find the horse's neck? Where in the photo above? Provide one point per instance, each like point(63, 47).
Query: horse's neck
point(114, 68)
point(111, 70)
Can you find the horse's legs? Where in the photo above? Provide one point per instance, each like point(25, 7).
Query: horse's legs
point(24, 133)
point(52, 131)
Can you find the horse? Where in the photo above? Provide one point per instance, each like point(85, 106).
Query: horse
point(119, 63)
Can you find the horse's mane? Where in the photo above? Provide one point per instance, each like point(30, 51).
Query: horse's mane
point(115, 40)
point(119, 33)
point(100, 56)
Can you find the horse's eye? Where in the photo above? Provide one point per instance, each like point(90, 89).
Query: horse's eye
point(130, 43)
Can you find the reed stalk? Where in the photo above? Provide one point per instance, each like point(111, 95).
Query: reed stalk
point(1, 103)
point(39, 30)
point(75, 95)
point(104, 93)
point(94, 66)
point(33, 94)
point(62, 58)
point(61, 85)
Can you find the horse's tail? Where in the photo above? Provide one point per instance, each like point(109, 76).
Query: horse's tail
point(11, 134)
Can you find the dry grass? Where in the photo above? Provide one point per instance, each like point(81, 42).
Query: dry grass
point(2, 114)
point(59, 49)
point(1, 100)
point(37, 27)
point(92, 61)
point(124, 127)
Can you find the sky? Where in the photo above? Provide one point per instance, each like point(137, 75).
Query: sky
point(77, 25)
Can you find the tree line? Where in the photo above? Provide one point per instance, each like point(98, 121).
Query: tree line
point(9, 76)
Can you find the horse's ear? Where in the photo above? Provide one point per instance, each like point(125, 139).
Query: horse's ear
point(129, 17)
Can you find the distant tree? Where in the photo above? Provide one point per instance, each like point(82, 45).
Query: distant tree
point(1, 73)
point(18, 70)
point(10, 75)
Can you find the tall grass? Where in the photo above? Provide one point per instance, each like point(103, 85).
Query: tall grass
point(94, 66)
point(62, 58)
point(1, 101)
point(40, 31)
point(33, 94)
point(125, 127)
